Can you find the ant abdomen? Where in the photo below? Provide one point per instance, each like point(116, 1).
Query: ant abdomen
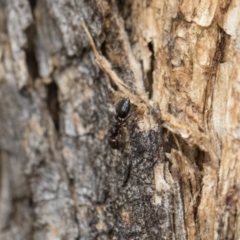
point(123, 108)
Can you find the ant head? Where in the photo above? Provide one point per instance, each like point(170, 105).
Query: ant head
point(123, 108)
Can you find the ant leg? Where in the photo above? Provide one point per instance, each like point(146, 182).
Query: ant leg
point(113, 152)
point(124, 122)
point(127, 173)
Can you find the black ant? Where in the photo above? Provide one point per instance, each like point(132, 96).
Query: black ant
point(122, 111)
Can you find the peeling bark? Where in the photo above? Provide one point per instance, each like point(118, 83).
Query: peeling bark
point(176, 173)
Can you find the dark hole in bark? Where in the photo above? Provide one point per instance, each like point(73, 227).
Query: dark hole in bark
point(32, 4)
point(30, 53)
point(149, 80)
point(53, 104)
point(219, 55)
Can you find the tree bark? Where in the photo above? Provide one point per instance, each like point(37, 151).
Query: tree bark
point(175, 172)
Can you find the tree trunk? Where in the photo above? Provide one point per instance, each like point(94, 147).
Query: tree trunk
point(174, 172)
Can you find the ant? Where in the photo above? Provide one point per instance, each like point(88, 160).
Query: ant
point(122, 111)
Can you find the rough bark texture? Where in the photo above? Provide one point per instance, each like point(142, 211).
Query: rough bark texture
point(176, 173)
